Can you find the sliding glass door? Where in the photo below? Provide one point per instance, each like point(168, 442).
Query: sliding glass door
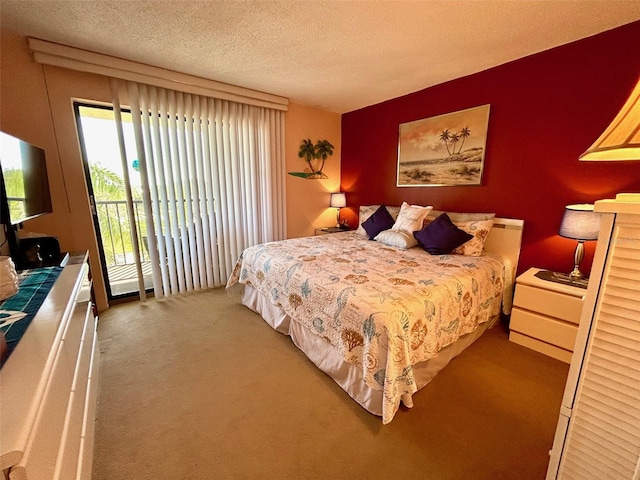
point(106, 185)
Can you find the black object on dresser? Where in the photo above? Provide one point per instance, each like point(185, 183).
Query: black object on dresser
point(39, 252)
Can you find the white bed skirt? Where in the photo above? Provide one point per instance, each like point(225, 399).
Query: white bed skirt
point(348, 375)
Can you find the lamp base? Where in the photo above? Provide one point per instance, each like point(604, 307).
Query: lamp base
point(576, 274)
point(564, 278)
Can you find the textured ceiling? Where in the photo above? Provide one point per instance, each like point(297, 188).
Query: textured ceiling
point(336, 55)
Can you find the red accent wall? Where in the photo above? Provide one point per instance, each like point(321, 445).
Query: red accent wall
point(546, 110)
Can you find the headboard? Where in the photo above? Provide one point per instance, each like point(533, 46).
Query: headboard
point(505, 238)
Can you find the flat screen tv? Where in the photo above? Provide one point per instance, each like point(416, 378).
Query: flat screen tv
point(25, 180)
point(24, 190)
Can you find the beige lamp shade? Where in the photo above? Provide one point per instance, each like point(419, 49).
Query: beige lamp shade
point(621, 139)
point(338, 200)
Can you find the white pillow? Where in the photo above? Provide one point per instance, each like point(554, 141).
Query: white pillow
point(367, 210)
point(410, 218)
point(397, 239)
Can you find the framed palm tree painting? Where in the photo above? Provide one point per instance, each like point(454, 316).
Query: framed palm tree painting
point(443, 150)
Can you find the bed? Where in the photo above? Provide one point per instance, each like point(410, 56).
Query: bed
point(381, 321)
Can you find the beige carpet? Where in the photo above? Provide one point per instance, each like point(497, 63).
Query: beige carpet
point(199, 387)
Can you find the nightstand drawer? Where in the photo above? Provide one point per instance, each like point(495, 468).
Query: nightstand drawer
point(548, 330)
point(553, 304)
point(542, 347)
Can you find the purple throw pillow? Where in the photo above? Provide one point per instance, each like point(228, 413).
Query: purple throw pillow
point(379, 221)
point(441, 236)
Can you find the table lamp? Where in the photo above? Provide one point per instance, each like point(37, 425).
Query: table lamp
point(338, 200)
point(579, 223)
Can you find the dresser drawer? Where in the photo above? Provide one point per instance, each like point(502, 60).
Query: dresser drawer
point(68, 456)
point(546, 329)
point(553, 304)
point(39, 460)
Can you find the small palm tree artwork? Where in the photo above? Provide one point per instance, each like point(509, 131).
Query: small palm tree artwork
point(322, 150)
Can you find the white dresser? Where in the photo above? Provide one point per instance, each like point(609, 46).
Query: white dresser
point(598, 432)
point(49, 386)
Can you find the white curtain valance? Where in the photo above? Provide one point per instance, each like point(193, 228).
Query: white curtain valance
point(49, 53)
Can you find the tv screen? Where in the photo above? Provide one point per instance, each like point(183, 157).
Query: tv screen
point(24, 172)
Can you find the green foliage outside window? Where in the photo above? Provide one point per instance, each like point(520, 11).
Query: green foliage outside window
point(110, 197)
point(14, 184)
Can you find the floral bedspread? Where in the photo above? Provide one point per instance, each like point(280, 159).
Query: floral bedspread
point(385, 309)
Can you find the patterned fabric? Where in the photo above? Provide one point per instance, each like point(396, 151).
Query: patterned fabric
point(480, 231)
point(385, 309)
point(17, 312)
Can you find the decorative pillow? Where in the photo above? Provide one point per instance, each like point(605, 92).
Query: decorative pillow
point(367, 210)
point(480, 230)
point(397, 239)
point(410, 218)
point(441, 236)
point(380, 220)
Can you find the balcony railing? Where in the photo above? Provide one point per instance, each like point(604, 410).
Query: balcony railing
point(115, 231)
point(113, 217)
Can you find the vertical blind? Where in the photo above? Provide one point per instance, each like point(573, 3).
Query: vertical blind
point(212, 175)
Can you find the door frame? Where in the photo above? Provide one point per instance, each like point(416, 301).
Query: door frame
point(92, 203)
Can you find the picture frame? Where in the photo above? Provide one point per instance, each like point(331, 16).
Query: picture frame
point(444, 150)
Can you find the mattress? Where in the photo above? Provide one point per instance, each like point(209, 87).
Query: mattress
point(380, 310)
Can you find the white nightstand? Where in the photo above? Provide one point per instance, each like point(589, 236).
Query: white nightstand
point(545, 315)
